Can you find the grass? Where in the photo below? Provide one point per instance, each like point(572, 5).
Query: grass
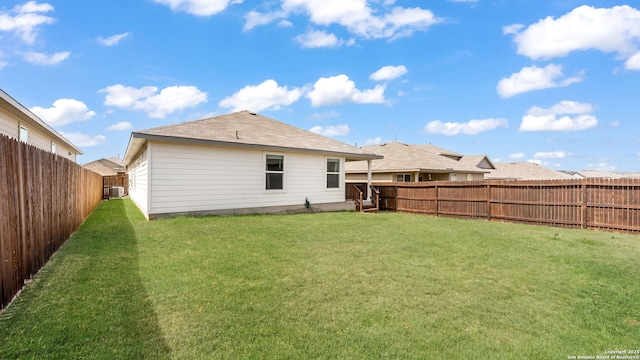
point(326, 286)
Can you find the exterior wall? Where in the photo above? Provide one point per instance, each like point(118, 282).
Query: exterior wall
point(375, 177)
point(139, 179)
point(198, 178)
point(10, 126)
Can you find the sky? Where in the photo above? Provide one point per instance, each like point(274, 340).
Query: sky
point(554, 82)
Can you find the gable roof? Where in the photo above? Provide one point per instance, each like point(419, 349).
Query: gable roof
point(400, 157)
point(23, 114)
point(247, 130)
point(106, 167)
point(524, 171)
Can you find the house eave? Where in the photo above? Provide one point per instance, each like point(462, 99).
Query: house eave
point(23, 114)
point(137, 140)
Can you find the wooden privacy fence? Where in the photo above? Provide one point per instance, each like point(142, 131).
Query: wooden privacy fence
point(44, 198)
point(604, 204)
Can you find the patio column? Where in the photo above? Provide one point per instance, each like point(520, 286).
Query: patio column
point(368, 179)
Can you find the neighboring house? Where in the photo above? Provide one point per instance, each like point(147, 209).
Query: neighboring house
point(524, 171)
point(599, 174)
point(106, 167)
point(414, 163)
point(20, 123)
point(235, 164)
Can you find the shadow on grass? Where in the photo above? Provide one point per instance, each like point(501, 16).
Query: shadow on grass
point(89, 301)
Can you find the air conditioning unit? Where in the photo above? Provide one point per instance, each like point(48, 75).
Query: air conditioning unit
point(116, 192)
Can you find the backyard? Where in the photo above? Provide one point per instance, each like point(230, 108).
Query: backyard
point(326, 286)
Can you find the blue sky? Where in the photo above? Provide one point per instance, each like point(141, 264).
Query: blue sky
point(555, 82)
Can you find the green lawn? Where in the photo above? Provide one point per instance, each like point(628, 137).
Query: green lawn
point(326, 286)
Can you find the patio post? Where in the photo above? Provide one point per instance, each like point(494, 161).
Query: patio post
point(368, 179)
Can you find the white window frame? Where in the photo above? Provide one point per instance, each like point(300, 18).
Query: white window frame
point(283, 172)
point(53, 148)
point(339, 173)
point(23, 134)
point(453, 177)
point(404, 177)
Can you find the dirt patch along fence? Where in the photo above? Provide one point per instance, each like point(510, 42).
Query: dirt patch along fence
point(603, 204)
point(44, 198)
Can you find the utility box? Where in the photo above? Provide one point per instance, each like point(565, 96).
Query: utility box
point(116, 192)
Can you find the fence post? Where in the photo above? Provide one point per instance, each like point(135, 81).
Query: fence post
point(437, 199)
point(584, 204)
point(489, 201)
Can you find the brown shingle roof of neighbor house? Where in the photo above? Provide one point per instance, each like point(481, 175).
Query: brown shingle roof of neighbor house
point(106, 167)
point(246, 129)
point(524, 171)
point(400, 157)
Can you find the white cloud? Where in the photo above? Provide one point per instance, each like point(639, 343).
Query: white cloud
point(24, 20)
point(610, 30)
point(541, 119)
point(83, 140)
point(472, 127)
point(337, 89)
point(147, 99)
point(516, 156)
point(123, 125)
point(633, 63)
point(331, 130)
point(64, 111)
point(388, 72)
point(602, 166)
point(267, 95)
point(362, 18)
point(44, 59)
point(551, 155)
point(198, 7)
point(317, 39)
point(324, 115)
point(112, 40)
point(254, 19)
point(374, 141)
point(534, 78)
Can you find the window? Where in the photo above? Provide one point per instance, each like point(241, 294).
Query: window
point(453, 177)
point(403, 177)
point(333, 173)
point(24, 134)
point(274, 172)
point(53, 148)
point(469, 177)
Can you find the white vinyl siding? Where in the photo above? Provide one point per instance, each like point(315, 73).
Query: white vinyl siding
point(200, 178)
point(138, 181)
point(8, 124)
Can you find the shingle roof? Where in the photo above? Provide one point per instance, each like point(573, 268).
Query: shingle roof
point(246, 129)
point(524, 171)
point(404, 157)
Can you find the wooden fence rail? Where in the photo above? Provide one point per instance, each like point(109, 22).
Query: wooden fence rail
point(44, 198)
point(603, 204)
